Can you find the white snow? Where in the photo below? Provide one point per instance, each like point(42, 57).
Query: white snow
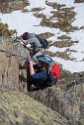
point(79, 9)
point(72, 66)
point(23, 22)
point(56, 49)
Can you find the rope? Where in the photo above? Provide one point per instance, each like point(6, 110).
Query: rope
point(12, 54)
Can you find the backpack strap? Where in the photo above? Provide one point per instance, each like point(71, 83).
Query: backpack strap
point(51, 80)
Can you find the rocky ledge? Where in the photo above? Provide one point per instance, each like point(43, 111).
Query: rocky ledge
point(19, 109)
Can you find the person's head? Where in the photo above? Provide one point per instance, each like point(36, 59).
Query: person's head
point(44, 60)
point(25, 36)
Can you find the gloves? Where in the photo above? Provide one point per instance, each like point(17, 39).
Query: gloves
point(29, 59)
point(28, 46)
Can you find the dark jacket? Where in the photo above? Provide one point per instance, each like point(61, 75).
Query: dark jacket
point(40, 76)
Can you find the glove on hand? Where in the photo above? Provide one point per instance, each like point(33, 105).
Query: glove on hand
point(29, 59)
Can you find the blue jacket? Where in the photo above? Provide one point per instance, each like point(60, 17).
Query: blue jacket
point(39, 74)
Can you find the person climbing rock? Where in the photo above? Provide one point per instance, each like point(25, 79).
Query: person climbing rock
point(37, 74)
point(31, 42)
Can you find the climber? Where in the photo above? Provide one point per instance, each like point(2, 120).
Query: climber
point(31, 41)
point(37, 74)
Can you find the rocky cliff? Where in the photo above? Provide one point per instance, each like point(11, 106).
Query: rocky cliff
point(62, 104)
point(19, 109)
point(66, 97)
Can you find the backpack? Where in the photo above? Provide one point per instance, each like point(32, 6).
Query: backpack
point(56, 70)
point(53, 75)
point(44, 42)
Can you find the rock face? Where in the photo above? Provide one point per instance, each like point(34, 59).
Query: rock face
point(68, 100)
point(19, 109)
point(9, 68)
point(9, 63)
point(66, 97)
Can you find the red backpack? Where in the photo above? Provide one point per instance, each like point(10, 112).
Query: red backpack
point(53, 75)
point(55, 70)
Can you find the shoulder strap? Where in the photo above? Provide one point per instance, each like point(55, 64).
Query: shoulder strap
point(51, 79)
